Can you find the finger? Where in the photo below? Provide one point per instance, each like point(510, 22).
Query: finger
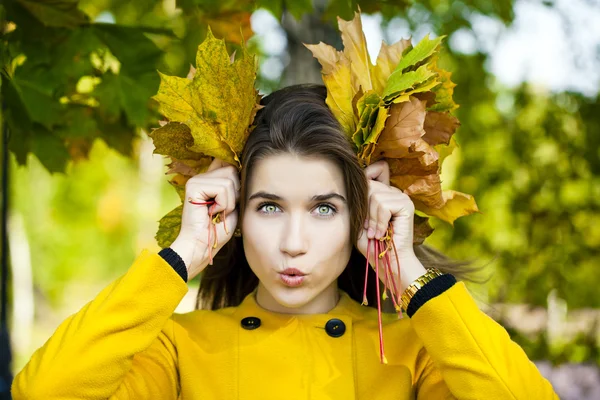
point(373, 206)
point(216, 164)
point(231, 195)
point(379, 171)
point(384, 215)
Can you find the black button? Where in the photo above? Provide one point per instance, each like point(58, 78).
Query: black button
point(250, 323)
point(335, 327)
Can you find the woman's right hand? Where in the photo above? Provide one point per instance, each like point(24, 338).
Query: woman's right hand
point(220, 183)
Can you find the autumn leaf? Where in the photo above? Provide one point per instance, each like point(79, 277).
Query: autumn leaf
point(443, 92)
point(387, 61)
point(174, 139)
point(404, 127)
point(439, 127)
point(455, 205)
point(419, 54)
point(337, 78)
point(218, 104)
point(189, 168)
point(421, 229)
point(355, 50)
point(169, 226)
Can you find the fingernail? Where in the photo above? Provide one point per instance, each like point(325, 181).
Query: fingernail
point(370, 233)
point(366, 224)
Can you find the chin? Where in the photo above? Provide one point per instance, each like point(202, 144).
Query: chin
point(291, 297)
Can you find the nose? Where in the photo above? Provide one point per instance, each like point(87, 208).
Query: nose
point(294, 240)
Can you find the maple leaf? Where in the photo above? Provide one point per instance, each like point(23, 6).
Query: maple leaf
point(404, 128)
point(421, 229)
point(218, 104)
point(188, 168)
point(387, 60)
point(439, 127)
point(174, 139)
point(355, 50)
point(169, 226)
point(443, 92)
point(455, 205)
point(337, 78)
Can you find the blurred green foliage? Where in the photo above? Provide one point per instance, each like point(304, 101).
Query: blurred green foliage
point(530, 157)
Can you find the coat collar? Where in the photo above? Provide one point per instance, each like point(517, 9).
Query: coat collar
point(345, 308)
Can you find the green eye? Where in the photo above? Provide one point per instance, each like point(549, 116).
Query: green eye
point(324, 209)
point(268, 208)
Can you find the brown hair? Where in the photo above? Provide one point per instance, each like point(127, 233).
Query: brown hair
point(297, 120)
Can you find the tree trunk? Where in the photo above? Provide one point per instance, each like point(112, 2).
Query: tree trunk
point(311, 29)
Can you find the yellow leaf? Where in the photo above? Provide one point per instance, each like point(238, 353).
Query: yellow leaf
point(444, 92)
point(218, 104)
point(387, 61)
point(337, 78)
point(456, 205)
point(355, 49)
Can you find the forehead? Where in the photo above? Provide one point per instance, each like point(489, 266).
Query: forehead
point(290, 175)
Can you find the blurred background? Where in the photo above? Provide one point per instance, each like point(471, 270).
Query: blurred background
point(85, 192)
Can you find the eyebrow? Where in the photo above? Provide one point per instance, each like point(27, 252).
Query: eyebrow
point(318, 197)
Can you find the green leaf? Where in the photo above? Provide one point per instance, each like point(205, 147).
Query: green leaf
point(56, 13)
point(37, 100)
point(169, 226)
point(132, 95)
point(298, 8)
point(50, 150)
point(400, 82)
point(136, 53)
point(424, 49)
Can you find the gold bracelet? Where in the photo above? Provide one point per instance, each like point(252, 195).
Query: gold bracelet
point(418, 284)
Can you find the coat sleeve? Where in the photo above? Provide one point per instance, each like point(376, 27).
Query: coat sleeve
point(118, 346)
point(471, 354)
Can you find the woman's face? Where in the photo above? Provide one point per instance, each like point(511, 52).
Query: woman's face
point(296, 216)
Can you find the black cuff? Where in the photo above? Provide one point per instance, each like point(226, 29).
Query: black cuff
point(431, 289)
point(175, 261)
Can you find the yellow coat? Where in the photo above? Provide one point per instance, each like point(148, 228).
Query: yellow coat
point(128, 344)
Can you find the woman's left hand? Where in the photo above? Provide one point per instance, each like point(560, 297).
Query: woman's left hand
point(387, 203)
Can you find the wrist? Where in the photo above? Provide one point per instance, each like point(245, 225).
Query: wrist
point(411, 269)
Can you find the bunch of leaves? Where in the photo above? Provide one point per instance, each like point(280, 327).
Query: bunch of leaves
point(209, 115)
point(67, 81)
point(399, 110)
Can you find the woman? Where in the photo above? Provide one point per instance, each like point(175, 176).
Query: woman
point(283, 319)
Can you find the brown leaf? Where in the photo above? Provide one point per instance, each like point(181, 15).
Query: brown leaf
point(439, 127)
point(403, 128)
point(421, 229)
point(188, 168)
